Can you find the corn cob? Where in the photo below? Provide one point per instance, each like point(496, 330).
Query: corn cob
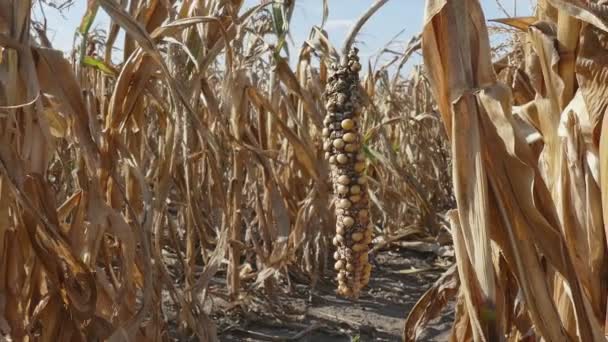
point(342, 144)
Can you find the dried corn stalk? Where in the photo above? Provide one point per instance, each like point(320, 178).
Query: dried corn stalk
point(343, 150)
point(529, 245)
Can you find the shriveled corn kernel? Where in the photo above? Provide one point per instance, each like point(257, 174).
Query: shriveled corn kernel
point(338, 143)
point(344, 180)
point(359, 247)
point(349, 137)
point(341, 277)
point(348, 253)
point(340, 229)
point(332, 159)
point(359, 167)
point(363, 214)
point(364, 258)
point(351, 148)
point(350, 267)
point(355, 198)
point(362, 180)
point(348, 124)
point(335, 241)
point(360, 156)
point(339, 265)
point(346, 291)
point(337, 255)
point(326, 146)
point(355, 189)
point(339, 238)
point(344, 204)
point(326, 132)
point(342, 189)
point(348, 221)
point(357, 237)
point(342, 158)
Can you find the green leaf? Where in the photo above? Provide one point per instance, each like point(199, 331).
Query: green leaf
point(281, 15)
point(277, 18)
point(88, 18)
point(99, 65)
point(369, 152)
point(85, 26)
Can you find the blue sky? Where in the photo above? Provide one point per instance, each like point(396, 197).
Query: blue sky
point(392, 18)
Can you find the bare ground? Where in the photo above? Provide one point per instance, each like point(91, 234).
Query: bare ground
point(399, 278)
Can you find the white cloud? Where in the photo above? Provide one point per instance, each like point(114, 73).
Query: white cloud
point(339, 24)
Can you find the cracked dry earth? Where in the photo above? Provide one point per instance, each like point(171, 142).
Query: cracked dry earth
point(399, 278)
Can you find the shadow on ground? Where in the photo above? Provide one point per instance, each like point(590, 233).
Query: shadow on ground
point(378, 315)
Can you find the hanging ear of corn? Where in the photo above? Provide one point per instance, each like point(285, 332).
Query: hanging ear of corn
point(342, 147)
point(128, 178)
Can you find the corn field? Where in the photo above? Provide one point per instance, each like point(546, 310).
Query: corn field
point(187, 164)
